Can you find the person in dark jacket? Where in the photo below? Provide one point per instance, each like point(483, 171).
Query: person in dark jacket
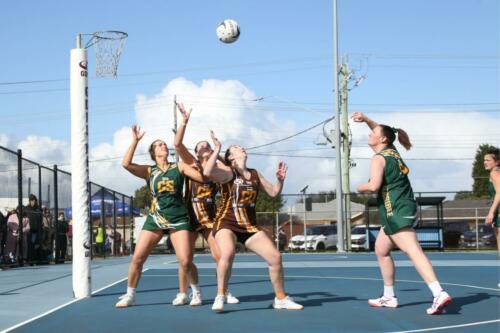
point(35, 217)
point(62, 229)
point(3, 236)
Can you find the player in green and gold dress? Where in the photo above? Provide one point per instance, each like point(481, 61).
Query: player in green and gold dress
point(168, 212)
point(492, 164)
point(397, 209)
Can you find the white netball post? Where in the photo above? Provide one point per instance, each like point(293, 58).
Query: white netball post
point(108, 46)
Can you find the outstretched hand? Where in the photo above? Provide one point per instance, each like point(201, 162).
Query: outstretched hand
point(281, 172)
point(184, 113)
point(137, 135)
point(217, 144)
point(359, 117)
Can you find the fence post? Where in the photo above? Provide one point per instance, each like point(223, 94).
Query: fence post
point(114, 248)
point(40, 199)
point(56, 214)
point(277, 231)
point(20, 212)
point(131, 213)
point(124, 235)
point(290, 218)
point(477, 231)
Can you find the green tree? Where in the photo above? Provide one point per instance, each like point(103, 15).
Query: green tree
point(463, 195)
point(142, 197)
point(267, 204)
point(479, 174)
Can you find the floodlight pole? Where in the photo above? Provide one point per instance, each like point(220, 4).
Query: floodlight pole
point(336, 114)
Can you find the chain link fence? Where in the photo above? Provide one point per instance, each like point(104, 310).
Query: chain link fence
point(41, 232)
point(309, 222)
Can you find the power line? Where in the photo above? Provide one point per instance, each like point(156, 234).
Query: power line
point(291, 136)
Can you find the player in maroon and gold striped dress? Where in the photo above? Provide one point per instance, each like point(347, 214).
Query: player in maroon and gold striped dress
point(200, 197)
point(236, 220)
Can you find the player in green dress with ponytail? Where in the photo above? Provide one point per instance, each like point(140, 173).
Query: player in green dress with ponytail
point(492, 164)
point(397, 209)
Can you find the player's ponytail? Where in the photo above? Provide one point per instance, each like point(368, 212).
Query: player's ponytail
point(390, 133)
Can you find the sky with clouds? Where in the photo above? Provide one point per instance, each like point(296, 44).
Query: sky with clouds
point(427, 69)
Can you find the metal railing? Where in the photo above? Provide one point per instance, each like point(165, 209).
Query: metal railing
point(44, 234)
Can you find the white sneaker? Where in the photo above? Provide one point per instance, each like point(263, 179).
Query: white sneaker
point(439, 303)
point(180, 299)
point(388, 302)
point(125, 301)
point(230, 299)
point(195, 298)
point(219, 303)
point(286, 303)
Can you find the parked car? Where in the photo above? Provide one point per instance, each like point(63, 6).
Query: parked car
point(318, 238)
point(363, 238)
point(485, 236)
point(164, 246)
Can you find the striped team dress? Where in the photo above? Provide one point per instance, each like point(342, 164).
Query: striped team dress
point(236, 210)
point(168, 210)
point(200, 198)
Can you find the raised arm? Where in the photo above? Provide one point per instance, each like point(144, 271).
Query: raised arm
point(376, 175)
point(360, 117)
point(191, 172)
point(273, 190)
point(495, 179)
point(141, 171)
point(183, 152)
point(216, 172)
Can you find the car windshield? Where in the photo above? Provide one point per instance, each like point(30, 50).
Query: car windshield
point(358, 231)
point(319, 230)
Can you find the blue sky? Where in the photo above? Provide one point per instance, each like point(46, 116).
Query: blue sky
point(431, 67)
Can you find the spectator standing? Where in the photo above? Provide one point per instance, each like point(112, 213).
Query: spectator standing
point(34, 214)
point(47, 236)
point(62, 230)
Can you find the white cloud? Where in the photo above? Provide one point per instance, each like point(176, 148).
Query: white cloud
point(437, 135)
point(230, 109)
point(45, 150)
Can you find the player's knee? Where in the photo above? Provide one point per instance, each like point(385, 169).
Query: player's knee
point(138, 260)
point(184, 262)
point(381, 251)
point(227, 256)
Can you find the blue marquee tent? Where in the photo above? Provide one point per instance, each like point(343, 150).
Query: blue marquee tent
point(96, 203)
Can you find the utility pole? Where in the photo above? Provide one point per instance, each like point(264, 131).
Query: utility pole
point(336, 114)
point(303, 191)
point(346, 150)
point(175, 125)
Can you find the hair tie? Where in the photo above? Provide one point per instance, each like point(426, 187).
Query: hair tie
point(394, 130)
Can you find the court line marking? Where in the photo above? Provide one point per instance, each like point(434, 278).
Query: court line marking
point(255, 275)
point(447, 327)
point(63, 305)
point(373, 279)
point(336, 278)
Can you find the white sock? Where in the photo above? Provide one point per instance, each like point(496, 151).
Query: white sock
point(131, 291)
point(389, 291)
point(195, 288)
point(435, 288)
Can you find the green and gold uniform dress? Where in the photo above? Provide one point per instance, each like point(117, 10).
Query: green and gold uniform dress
point(492, 193)
point(200, 198)
point(396, 202)
point(168, 210)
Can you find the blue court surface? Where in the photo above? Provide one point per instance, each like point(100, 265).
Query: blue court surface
point(334, 289)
